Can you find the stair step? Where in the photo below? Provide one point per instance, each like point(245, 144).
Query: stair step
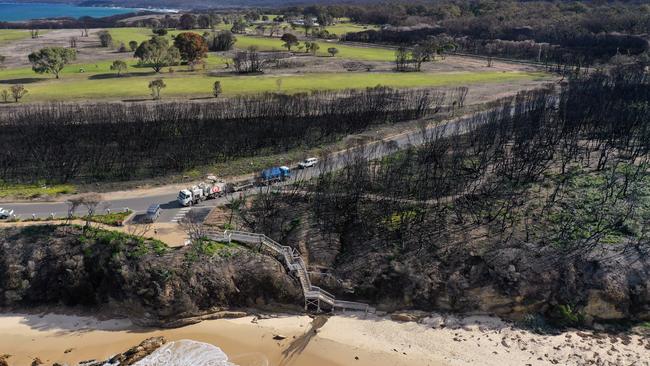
point(294, 262)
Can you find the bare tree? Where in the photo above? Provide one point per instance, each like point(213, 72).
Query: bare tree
point(73, 204)
point(90, 201)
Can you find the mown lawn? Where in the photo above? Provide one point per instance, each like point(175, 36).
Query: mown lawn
point(197, 84)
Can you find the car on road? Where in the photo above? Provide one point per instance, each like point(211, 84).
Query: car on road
point(153, 212)
point(308, 163)
point(5, 214)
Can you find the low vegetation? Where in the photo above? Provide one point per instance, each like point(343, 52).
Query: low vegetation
point(28, 191)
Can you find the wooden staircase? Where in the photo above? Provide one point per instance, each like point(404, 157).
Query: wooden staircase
point(314, 295)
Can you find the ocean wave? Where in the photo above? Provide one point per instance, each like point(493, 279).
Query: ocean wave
point(186, 353)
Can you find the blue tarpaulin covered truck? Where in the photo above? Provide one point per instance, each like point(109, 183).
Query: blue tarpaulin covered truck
point(275, 174)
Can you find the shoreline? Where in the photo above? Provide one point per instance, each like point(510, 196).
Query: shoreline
point(348, 339)
point(69, 339)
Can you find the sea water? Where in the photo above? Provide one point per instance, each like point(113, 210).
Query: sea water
point(26, 11)
point(192, 353)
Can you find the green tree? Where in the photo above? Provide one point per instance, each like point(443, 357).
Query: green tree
point(2, 61)
point(191, 46)
point(156, 86)
point(4, 94)
point(313, 48)
point(187, 21)
point(332, 51)
point(205, 21)
point(51, 60)
point(159, 31)
point(308, 24)
point(289, 40)
point(216, 89)
point(239, 26)
point(221, 41)
point(18, 91)
point(105, 38)
point(157, 53)
point(119, 66)
point(133, 45)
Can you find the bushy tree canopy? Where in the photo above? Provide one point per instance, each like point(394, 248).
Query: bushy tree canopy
point(191, 46)
point(51, 60)
point(157, 53)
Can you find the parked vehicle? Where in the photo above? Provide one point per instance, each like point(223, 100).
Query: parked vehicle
point(201, 192)
point(308, 163)
point(5, 214)
point(275, 174)
point(153, 212)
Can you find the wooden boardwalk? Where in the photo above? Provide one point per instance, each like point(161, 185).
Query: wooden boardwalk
point(315, 297)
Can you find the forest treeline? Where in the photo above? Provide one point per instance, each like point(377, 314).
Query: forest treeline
point(117, 141)
point(541, 182)
point(583, 32)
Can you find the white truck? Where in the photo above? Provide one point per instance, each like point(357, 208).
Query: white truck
point(201, 192)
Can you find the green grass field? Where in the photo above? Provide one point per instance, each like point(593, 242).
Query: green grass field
point(197, 84)
point(92, 71)
point(97, 81)
point(342, 28)
point(9, 35)
point(345, 51)
point(125, 35)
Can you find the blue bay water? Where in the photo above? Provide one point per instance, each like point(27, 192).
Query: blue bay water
point(18, 12)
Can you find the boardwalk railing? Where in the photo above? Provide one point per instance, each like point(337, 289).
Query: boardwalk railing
point(314, 295)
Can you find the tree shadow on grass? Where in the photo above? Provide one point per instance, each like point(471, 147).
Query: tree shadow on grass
point(121, 76)
point(22, 81)
point(137, 100)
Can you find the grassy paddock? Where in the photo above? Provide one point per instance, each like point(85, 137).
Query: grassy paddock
point(10, 35)
point(125, 35)
point(343, 28)
point(345, 51)
point(185, 84)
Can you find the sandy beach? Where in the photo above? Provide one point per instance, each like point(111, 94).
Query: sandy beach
point(435, 340)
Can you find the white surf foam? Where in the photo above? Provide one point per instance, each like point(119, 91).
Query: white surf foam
point(186, 353)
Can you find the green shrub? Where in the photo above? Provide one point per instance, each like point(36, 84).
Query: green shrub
point(568, 316)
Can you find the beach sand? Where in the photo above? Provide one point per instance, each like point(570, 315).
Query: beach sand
point(49, 336)
point(436, 340)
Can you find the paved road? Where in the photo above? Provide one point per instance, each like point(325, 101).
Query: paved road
point(172, 211)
